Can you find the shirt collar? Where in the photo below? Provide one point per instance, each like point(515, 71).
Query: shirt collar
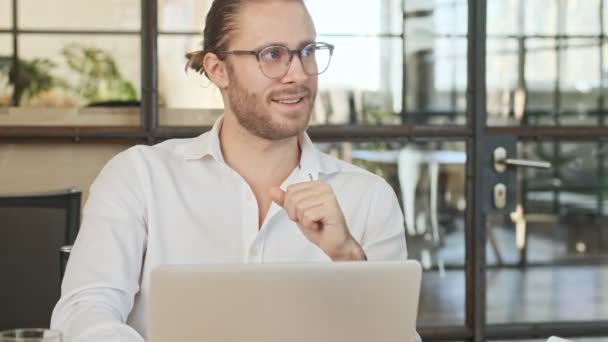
point(309, 165)
point(208, 144)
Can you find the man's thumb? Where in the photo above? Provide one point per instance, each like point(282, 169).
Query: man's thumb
point(277, 195)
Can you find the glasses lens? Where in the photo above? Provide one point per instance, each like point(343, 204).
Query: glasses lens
point(274, 61)
point(316, 58)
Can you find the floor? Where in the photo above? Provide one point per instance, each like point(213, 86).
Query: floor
point(515, 295)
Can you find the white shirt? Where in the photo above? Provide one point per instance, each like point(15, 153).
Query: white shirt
point(178, 202)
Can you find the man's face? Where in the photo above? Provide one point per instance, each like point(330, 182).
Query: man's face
point(279, 108)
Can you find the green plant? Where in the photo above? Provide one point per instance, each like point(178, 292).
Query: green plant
point(33, 77)
point(99, 78)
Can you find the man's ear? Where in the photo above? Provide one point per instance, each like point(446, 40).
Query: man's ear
point(216, 70)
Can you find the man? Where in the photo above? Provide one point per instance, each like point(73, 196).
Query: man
point(253, 189)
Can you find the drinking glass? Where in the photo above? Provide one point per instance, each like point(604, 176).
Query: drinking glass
point(30, 335)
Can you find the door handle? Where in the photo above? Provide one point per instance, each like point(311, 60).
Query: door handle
point(501, 161)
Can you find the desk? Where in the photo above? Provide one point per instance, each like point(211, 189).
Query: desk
point(408, 162)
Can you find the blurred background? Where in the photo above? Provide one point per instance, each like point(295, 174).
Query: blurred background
point(420, 92)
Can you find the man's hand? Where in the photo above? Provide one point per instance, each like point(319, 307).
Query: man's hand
point(314, 207)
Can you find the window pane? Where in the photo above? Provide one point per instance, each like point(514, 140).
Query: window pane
point(6, 62)
point(185, 98)
point(6, 10)
point(365, 73)
point(364, 16)
point(78, 71)
point(507, 17)
point(502, 82)
point(503, 17)
point(428, 179)
point(580, 82)
point(540, 75)
point(587, 18)
point(76, 14)
point(436, 80)
point(558, 234)
point(571, 339)
point(182, 15)
point(526, 97)
point(439, 17)
point(436, 52)
point(541, 16)
point(530, 97)
point(433, 19)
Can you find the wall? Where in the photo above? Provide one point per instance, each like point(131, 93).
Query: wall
point(44, 167)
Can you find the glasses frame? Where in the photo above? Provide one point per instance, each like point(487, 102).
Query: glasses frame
point(298, 52)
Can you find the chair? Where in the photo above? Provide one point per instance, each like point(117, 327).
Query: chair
point(33, 228)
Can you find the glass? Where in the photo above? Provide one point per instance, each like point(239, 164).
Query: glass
point(555, 243)
point(586, 21)
point(436, 61)
point(540, 74)
point(363, 84)
point(89, 15)
point(443, 17)
point(6, 9)
point(508, 17)
point(542, 17)
point(429, 181)
point(436, 80)
point(572, 339)
point(503, 88)
point(83, 71)
point(275, 60)
point(186, 98)
point(6, 63)
point(526, 97)
point(30, 335)
point(503, 17)
point(364, 17)
point(544, 95)
point(580, 82)
point(435, 19)
point(182, 15)
point(449, 16)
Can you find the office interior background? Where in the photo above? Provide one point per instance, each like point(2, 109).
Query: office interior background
point(420, 92)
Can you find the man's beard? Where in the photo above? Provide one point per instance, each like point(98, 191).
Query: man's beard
point(256, 118)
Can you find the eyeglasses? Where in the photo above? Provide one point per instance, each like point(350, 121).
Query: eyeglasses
point(275, 60)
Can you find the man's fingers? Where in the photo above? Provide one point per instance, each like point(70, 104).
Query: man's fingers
point(310, 218)
point(306, 203)
point(277, 196)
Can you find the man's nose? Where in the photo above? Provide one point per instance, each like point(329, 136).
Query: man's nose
point(296, 72)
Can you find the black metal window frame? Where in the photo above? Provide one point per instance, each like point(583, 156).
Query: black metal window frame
point(473, 134)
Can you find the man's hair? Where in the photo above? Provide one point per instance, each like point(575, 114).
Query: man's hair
point(219, 25)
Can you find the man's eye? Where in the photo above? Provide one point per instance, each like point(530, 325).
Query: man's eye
point(309, 52)
point(274, 54)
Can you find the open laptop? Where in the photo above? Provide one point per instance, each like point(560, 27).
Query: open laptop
point(316, 302)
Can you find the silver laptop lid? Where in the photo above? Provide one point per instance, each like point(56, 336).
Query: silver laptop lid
point(321, 302)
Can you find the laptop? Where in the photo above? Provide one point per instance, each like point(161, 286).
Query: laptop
point(320, 302)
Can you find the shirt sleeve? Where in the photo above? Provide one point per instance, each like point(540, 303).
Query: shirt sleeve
point(103, 271)
point(384, 237)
